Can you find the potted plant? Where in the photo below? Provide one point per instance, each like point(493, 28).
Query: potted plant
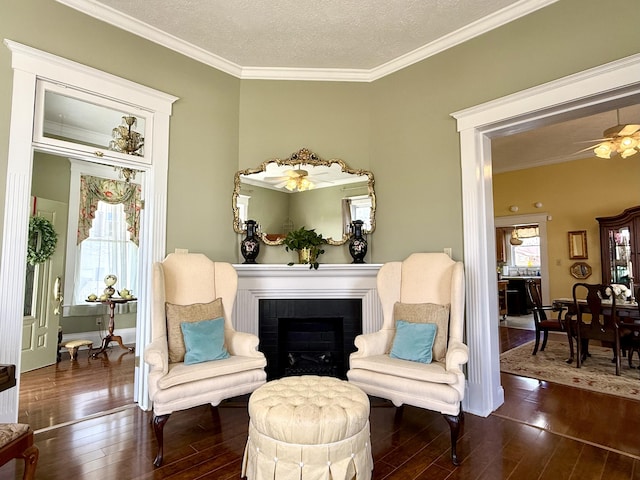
point(308, 245)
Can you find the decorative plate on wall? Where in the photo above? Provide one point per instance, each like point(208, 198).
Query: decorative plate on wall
point(580, 270)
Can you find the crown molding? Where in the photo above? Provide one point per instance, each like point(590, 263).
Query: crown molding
point(148, 32)
point(306, 74)
point(153, 34)
point(475, 29)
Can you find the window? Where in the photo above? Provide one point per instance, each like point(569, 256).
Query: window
point(356, 208)
point(243, 208)
point(527, 254)
point(361, 210)
point(107, 250)
point(103, 235)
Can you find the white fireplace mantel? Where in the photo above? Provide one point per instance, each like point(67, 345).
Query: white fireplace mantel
point(330, 281)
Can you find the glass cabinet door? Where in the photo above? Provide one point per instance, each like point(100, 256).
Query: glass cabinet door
point(619, 246)
point(620, 255)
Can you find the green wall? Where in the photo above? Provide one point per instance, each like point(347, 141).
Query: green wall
point(277, 118)
point(415, 146)
point(204, 125)
point(399, 127)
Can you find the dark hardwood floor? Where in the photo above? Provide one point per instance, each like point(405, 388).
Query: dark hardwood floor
point(543, 431)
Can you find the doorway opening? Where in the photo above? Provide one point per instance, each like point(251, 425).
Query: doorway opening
point(157, 105)
point(596, 90)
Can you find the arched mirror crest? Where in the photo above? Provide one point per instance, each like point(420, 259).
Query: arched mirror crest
point(304, 190)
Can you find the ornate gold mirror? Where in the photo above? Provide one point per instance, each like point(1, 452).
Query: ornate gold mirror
point(303, 190)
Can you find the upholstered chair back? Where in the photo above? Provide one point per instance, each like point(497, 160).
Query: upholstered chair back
point(188, 278)
point(423, 278)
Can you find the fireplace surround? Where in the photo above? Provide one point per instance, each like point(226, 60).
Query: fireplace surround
point(261, 282)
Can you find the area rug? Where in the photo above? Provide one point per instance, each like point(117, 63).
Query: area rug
point(597, 373)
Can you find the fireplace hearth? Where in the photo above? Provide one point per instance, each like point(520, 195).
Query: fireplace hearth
point(308, 337)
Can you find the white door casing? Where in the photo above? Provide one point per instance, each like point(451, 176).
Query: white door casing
point(598, 89)
point(28, 65)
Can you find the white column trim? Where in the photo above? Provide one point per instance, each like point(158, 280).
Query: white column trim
point(587, 91)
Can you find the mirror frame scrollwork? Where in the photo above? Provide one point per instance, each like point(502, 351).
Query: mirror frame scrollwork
point(302, 157)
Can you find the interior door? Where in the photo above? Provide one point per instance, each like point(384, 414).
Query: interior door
point(43, 294)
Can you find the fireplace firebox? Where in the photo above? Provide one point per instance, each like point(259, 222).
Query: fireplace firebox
point(308, 336)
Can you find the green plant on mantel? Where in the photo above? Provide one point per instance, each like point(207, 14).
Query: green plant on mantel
point(307, 243)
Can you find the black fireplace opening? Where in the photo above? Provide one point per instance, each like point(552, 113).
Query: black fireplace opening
point(308, 337)
point(310, 346)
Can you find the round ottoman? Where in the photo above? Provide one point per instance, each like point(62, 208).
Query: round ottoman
point(308, 427)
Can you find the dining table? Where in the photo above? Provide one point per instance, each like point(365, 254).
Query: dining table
point(627, 312)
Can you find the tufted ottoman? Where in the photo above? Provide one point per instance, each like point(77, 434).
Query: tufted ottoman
point(308, 428)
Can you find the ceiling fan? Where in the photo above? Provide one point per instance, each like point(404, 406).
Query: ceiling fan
point(620, 139)
point(294, 180)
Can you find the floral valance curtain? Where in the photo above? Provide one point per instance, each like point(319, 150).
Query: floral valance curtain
point(95, 189)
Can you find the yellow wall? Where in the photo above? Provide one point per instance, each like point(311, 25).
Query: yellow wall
point(574, 194)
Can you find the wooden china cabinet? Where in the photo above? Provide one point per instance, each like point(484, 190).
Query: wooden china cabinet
point(619, 242)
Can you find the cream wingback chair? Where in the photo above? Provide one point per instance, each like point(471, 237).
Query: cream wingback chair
point(424, 288)
point(189, 287)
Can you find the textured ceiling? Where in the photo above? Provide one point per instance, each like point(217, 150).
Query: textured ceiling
point(309, 33)
point(244, 37)
point(352, 40)
point(558, 142)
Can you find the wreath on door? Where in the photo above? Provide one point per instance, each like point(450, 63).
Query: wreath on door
point(42, 240)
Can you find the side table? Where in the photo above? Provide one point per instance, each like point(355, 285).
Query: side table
point(110, 337)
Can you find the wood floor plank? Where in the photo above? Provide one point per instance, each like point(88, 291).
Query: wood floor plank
point(543, 431)
point(618, 467)
point(563, 460)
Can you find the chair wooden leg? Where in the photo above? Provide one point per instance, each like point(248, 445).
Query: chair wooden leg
point(544, 340)
point(579, 353)
point(535, 348)
point(455, 423)
point(158, 427)
point(30, 456)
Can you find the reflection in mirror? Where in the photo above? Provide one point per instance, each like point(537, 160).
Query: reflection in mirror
point(72, 119)
point(304, 190)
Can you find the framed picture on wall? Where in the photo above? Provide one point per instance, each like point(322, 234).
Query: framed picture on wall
point(578, 245)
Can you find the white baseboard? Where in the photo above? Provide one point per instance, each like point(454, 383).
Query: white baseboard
point(128, 337)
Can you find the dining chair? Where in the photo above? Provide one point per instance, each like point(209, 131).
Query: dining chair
point(543, 323)
point(595, 320)
point(630, 334)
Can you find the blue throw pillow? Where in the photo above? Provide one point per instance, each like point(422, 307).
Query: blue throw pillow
point(204, 341)
point(414, 341)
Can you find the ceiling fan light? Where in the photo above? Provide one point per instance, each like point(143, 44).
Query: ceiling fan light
point(628, 152)
point(627, 143)
point(291, 184)
point(603, 150)
point(304, 184)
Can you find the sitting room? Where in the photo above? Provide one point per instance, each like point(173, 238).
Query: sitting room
point(218, 119)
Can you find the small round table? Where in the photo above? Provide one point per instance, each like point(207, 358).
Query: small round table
point(308, 427)
point(110, 337)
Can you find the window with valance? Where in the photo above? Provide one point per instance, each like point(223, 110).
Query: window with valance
point(107, 236)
